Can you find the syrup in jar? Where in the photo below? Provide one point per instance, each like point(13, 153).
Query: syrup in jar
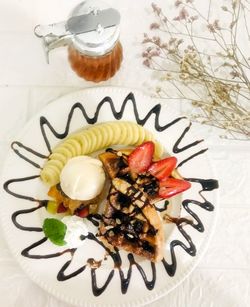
point(99, 68)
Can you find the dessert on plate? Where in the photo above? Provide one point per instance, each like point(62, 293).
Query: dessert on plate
point(137, 180)
point(110, 186)
point(130, 219)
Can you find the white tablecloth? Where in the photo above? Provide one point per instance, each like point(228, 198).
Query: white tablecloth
point(27, 84)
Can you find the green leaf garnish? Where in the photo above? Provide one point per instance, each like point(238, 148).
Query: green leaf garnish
point(55, 231)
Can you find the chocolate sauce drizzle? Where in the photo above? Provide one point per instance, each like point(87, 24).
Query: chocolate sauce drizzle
point(20, 145)
point(99, 290)
point(26, 251)
point(166, 203)
point(61, 274)
point(189, 247)
point(207, 185)
point(176, 149)
point(117, 115)
point(191, 157)
point(9, 182)
point(94, 219)
point(26, 211)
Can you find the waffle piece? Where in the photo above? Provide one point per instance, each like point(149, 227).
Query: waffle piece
point(116, 166)
point(131, 222)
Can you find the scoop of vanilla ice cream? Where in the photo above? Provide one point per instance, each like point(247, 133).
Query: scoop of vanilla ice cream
point(82, 178)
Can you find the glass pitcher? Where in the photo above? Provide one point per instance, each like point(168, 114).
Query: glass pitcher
point(92, 36)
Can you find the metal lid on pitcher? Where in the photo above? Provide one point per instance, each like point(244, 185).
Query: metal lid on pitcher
point(95, 26)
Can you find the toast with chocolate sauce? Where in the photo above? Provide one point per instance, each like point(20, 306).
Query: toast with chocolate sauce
point(130, 220)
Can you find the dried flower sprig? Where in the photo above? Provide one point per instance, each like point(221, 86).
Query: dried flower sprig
point(215, 77)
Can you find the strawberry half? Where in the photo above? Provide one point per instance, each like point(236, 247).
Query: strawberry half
point(172, 186)
point(141, 157)
point(163, 168)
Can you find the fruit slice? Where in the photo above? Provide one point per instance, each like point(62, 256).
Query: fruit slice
point(140, 159)
point(61, 208)
point(92, 139)
point(52, 207)
point(172, 186)
point(163, 168)
point(83, 212)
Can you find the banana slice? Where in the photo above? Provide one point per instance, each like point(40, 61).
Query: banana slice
point(92, 139)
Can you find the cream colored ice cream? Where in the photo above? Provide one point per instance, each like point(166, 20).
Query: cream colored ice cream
point(82, 178)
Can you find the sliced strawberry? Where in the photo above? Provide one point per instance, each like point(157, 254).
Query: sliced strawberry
point(163, 168)
point(172, 186)
point(61, 208)
point(83, 212)
point(141, 157)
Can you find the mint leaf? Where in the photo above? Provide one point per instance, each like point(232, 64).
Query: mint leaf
point(55, 231)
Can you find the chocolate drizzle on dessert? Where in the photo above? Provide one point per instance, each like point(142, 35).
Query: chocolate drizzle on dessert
point(187, 245)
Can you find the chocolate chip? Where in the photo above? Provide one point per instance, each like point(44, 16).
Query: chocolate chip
point(147, 247)
point(124, 218)
point(151, 188)
point(123, 200)
point(138, 226)
point(130, 237)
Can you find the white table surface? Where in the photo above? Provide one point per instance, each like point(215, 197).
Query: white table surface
point(27, 84)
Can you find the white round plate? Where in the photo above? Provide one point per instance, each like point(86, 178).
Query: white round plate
point(186, 247)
